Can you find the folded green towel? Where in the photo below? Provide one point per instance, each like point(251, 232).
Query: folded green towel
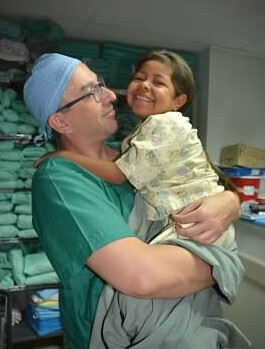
point(27, 164)
point(26, 173)
point(8, 218)
point(19, 106)
point(24, 221)
point(24, 209)
point(8, 176)
point(11, 155)
point(4, 262)
point(11, 184)
point(8, 231)
point(27, 233)
point(5, 196)
point(10, 115)
point(6, 280)
point(37, 263)
point(28, 183)
point(17, 261)
point(23, 197)
point(8, 96)
point(47, 278)
point(26, 129)
point(49, 146)
point(7, 145)
point(28, 119)
point(32, 152)
point(6, 206)
point(10, 166)
point(8, 128)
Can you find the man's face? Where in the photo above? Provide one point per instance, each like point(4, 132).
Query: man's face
point(88, 117)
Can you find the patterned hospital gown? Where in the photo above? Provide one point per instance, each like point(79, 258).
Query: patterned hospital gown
point(164, 159)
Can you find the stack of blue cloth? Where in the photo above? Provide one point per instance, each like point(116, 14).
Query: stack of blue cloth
point(43, 314)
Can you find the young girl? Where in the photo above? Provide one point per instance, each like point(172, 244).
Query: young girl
point(164, 158)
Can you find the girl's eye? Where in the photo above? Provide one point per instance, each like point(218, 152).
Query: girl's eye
point(138, 78)
point(159, 83)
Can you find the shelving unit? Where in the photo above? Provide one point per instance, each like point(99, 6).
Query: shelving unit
point(20, 335)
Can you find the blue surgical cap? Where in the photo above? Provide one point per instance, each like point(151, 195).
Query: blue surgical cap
point(44, 89)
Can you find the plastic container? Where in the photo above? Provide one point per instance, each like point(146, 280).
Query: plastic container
point(247, 187)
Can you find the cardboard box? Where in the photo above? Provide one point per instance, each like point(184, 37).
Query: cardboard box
point(242, 155)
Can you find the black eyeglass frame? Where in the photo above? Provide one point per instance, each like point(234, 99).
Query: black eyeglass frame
point(68, 105)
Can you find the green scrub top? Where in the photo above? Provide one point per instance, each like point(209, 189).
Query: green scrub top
point(76, 213)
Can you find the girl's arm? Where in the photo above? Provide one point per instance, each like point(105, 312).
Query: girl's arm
point(106, 170)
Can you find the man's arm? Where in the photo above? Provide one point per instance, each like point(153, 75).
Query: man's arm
point(150, 271)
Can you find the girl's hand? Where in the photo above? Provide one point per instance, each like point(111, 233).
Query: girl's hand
point(208, 217)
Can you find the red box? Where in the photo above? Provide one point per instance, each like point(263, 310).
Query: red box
point(247, 187)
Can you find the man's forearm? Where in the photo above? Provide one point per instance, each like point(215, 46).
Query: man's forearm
point(177, 273)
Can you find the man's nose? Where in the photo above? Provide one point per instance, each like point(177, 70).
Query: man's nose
point(108, 95)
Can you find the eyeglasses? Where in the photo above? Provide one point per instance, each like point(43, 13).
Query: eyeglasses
point(95, 91)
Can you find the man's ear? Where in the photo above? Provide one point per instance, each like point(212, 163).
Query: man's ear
point(59, 123)
point(180, 101)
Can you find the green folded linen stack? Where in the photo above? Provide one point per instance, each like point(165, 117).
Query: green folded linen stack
point(16, 163)
point(15, 117)
point(6, 279)
point(79, 49)
point(29, 269)
point(16, 215)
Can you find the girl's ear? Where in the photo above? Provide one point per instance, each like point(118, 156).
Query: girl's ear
point(180, 101)
point(59, 123)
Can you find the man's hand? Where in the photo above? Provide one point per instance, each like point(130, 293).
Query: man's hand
point(208, 217)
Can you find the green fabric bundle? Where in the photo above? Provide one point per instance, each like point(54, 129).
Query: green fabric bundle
point(37, 263)
point(47, 278)
point(17, 261)
point(8, 96)
point(8, 128)
point(10, 115)
point(27, 233)
point(24, 221)
point(26, 129)
point(23, 197)
point(19, 106)
point(31, 152)
point(7, 145)
point(28, 119)
point(6, 280)
point(11, 184)
point(6, 206)
point(5, 196)
point(26, 173)
point(8, 218)
point(42, 29)
point(8, 176)
point(8, 231)
point(10, 166)
point(22, 209)
point(49, 146)
point(28, 183)
point(27, 164)
point(11, 155)
point(4, 263)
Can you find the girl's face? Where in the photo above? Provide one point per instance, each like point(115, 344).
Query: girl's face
point(151, 90)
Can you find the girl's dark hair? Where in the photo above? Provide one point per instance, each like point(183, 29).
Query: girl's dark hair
point(182, 77)
point(223, 180)
point(183, 81)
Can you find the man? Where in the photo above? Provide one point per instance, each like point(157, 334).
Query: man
point(82, 221)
